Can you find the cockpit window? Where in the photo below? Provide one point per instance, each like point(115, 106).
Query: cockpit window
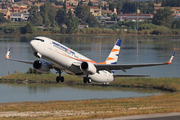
point(38, 39)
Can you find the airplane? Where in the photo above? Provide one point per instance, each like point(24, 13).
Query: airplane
point(54, 55)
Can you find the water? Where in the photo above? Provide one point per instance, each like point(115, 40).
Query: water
point(35, 92)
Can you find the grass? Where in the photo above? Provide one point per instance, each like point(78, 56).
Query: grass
point(96, 108)
point(89, 109)
point(169, 84)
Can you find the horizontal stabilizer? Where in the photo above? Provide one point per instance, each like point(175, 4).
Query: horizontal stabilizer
point(131, 75)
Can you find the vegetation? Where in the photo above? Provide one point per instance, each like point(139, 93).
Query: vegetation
point(90, 109)
point(60, 21)
point(163, 17)
point(170, 84)
point(171, 3)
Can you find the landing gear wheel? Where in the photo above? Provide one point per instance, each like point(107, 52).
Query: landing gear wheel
point(57, 79)
point(62, 79)
point(84, 80)
point(89, 80)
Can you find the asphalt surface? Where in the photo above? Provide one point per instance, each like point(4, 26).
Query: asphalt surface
point(161, 116)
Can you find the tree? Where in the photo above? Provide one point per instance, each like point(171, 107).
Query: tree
point(48, 13)
point(60, 17)
point(91, 20)
point(163, 17)
point(90, 3)
point(176, 24)
point(171, 3)
point(64, 6)
point(2, 18)
point(70, 15)
point(28, 28)
point(35, 17)
point(72, 24)
point(82, 12)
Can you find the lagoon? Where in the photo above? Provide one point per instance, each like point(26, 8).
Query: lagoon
point(37, 92)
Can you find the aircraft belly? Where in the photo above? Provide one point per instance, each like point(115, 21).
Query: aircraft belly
point(101, 77)
point(62, 62)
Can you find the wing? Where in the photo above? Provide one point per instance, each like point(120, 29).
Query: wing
point(23, 61)
point(115, 75)
point(123, 67)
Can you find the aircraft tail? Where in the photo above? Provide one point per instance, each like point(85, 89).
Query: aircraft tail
point(114, 54)
point(8, 53)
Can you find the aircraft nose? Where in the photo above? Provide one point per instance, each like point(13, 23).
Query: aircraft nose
point(33, 45)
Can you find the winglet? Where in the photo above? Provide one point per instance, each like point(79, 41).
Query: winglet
point(171, 59)
point(8, 53)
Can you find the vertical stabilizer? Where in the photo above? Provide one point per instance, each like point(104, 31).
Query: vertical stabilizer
point(8, 53)
point(114, 54)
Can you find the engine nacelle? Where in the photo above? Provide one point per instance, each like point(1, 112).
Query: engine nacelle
point(88, 68)
point(41, 66)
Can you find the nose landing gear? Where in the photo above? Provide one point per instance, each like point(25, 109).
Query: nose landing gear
point(59, 78)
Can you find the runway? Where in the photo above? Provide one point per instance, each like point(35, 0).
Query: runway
point(159, 116)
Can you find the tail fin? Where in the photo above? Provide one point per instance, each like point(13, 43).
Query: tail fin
point(8, 53)
point(114, 54)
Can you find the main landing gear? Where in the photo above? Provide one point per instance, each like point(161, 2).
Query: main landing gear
point(87, 79)
point(60, 78)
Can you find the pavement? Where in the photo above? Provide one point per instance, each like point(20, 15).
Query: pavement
point(159, 116)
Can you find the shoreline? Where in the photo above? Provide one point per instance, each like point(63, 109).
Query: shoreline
point(88, 109)
point(80, 83)
point(91, 109)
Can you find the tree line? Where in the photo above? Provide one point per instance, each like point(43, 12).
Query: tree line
point(49, 16)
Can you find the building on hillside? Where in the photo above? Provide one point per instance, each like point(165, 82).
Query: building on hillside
point(157, 5)
point(95, 11)
point(107, 11)
point(38, 5)
point(6, 13)
point(72, 2)
point(104, 3)
point(134, 17)
point(173, 9)
point(176, 16)
point(83, 26)
point(18, 17)
point(70, 7)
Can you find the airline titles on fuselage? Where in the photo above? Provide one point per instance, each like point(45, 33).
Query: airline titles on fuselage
point(65, 49)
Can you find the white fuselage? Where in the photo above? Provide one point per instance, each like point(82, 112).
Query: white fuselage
point(64, 58)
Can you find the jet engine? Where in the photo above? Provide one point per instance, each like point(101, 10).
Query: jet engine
point(88, 68)
point(41, 66)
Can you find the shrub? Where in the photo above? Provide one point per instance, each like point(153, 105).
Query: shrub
point(10, 29)
point(56, 30)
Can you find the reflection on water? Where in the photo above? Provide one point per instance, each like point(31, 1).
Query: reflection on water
point(133, 50)
point(42, 92)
